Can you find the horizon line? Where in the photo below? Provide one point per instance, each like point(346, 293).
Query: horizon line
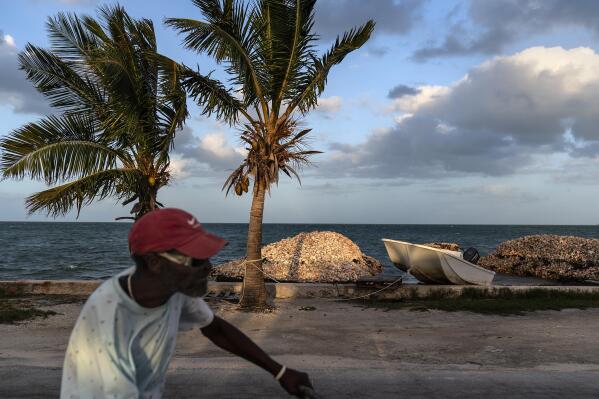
point(315, 223)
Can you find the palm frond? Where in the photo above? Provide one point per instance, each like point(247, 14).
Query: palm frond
point(212, 96)
point(119, 110)
point(287, 40)
point(70, 39)
point(314, 81)
point(171, 107)
point(56, 149)
point(59, 82)
point(60, 200)
point(227, 35)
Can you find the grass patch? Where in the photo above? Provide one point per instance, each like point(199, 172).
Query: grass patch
point(502, 302)
point(14, 311)
point(18, 306)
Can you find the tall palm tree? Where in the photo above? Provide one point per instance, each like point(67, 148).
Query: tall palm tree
point(268, 48)
point(119, 104)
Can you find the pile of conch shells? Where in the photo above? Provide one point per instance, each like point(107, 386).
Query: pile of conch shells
point(319, 256)
point(443, 245)
point(546, 256)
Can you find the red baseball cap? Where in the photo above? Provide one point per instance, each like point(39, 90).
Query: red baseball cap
point(170, 228)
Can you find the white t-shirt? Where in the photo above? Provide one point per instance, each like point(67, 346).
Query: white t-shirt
point(119, 349)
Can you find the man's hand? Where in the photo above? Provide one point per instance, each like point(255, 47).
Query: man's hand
point(228, 337)
point(293, 379)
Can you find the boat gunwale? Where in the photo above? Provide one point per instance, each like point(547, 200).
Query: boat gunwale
point(440, 251)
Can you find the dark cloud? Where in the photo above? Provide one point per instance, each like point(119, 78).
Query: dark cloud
point(415, 149)
point(495, 121)
point(496, 24)
point(377, 51)
point(15, 90)
point(333, 17)
point(402, 90)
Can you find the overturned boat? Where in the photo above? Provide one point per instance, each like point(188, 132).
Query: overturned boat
point(436, 266)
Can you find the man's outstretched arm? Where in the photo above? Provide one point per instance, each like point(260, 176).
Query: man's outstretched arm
point(231, 339)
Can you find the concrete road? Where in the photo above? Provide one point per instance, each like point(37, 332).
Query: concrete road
point(349, 352)
point(34, 382)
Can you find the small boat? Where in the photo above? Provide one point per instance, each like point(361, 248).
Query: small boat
point(436, 266)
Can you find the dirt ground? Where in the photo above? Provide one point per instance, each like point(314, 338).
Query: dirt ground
point(350, 352)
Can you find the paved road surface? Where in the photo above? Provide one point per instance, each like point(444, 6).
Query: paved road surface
point(350, 352)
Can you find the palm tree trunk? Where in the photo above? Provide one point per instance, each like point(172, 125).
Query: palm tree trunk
point(153, 195)
point(254, 295)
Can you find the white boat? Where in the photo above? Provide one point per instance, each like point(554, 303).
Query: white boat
point(436, 266)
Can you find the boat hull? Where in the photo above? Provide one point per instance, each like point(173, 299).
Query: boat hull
point(436, 266)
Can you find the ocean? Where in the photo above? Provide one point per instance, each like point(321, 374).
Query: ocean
point(63, 250)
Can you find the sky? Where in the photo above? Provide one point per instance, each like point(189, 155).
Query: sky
point(455, 112)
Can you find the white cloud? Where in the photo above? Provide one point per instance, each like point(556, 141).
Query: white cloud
point(425, 95)
point(211, 149)
point(180, 168)
point(216, 143)
point(329, 105)
point(8, 39)
point(493, 121)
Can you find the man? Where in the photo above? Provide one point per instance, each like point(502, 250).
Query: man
point(122, 343)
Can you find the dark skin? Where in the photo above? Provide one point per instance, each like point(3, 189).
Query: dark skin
point(159, 278)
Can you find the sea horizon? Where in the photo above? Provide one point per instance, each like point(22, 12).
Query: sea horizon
point(97, 250)
point(320, 223)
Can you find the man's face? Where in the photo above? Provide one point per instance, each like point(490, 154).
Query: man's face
point(191, 280)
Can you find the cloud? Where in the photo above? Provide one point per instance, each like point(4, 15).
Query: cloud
point(498, 191)
point(493, 121)
point(422, 95)
point(15, 90)
point(402, 90)
point(8, 39)
point(329, 105)
point(377, 51)
point(180, 168)
point(333, 17)
point(211, 149)
point(490, 26)
point(578, 171)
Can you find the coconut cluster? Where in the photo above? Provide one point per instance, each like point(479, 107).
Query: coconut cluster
point(319, 256)
point(546, 256)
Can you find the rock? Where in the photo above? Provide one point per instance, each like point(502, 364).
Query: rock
point(443, 245)
point(319, 256)
point(546, 256)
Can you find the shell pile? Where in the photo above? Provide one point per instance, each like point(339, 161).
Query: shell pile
point(319, 256)
point(546, 256)
point(443, 245)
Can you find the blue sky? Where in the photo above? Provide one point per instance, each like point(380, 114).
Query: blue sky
point(454, 112)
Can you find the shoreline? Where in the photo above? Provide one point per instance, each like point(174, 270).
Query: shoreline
point(297, 290)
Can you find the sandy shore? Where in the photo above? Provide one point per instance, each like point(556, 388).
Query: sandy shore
point(351, 352)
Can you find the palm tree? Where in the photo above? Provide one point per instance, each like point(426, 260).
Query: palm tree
point(268, 48)
point(119, 104)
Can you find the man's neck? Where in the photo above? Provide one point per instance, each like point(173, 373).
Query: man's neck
point(147, 291)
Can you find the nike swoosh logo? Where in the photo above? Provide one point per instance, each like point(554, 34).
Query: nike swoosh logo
point(191, 221)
